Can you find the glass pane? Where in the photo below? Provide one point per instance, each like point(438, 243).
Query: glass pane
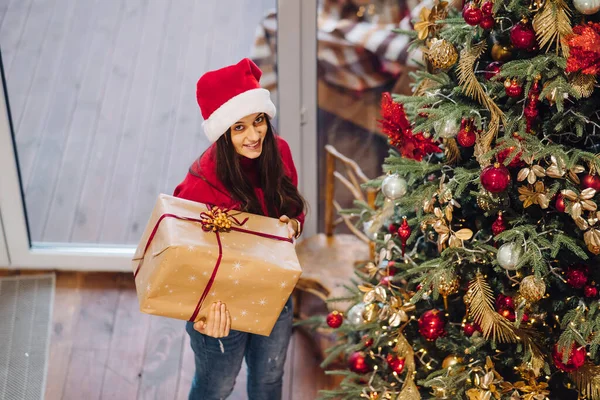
point(102, 99)
point(358, 58)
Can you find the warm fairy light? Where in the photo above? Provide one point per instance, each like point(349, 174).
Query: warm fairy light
point(375, 367)
point(390, 343)
point(395, 374)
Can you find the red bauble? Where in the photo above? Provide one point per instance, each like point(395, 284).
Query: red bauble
point(357, 362)
point(487, 22)
point(560, 203)
point(487, 7)
point(466, 137)
point(335, 319)
point(492, 69)
point(504, 302)
point(499, 225)
point(522, 36)
point(396, 363)
point(531, 111)
point(509, 314)
point(576, 358)
point(577, 276)
point(504, 154)
point(495, 178)
point(368, 341)
point(591, 181)
point(404, 233)
point(432, 324)
point(512, 88)
point(393, 228)
point(590, 291)
point(469, 329)
point(472, 14)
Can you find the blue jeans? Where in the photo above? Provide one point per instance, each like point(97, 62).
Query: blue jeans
point(218, 361)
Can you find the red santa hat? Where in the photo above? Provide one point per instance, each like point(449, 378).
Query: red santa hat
point(228, 94)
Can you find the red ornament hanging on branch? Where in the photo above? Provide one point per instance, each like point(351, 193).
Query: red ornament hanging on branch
point(590, 291)
point(499, 225)
point(432, 325)
point(357, 362)
point(487, 8)
point(531, 109)
point(495, 178)
point(492, 69)
point(466, 136)
point(512, 88)
point(404, 233)
point(396, 363)
point(335, 319)
point(472, 14)
point(522, 36)
point(591, 181)
point(578, 275)
point(560, 203)
point(396, 126)
point(576, 358)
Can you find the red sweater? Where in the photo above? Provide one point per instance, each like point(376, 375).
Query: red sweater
point(211, 191)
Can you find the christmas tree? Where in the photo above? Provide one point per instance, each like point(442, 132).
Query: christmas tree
point(487, 225)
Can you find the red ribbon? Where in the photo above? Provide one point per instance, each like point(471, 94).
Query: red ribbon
point(202, 220)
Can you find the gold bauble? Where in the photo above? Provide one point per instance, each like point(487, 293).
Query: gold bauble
point(370, 313)
point(532, 288)
point(442, 54)
point(488, 201)
point(501, 52)
point(448, 285)
point(451, 361)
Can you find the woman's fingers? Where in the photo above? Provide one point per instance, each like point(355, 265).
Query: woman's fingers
point(223, 324)
point(200, 326)
point(284, 218)
point(228, 325)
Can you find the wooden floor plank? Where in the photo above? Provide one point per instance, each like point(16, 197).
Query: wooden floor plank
point(162, 359)
point(41, 186)
point(67, 305)
point(91, 195)
point(29, 127)
point(80, 135)
point(13, 25)
point(91, 337)
point(25, 62)
point(127, 346)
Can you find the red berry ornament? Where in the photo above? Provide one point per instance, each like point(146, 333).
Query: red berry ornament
point(368, 341)
point(472, 14)
point(591, 181)
point(590, 291)
point(396, 363)
point(492, 69)
point(522, 36)
point(487, 8)
point(512, 88)
point(404, 233)
point(393, 228)
point(509, 314)
point(487, 22)
point(495, 178)
point(335, 319)
point(499, 225)
point(577, 276)
point(469, 329)
point(504, 302)
point(432, 324)
point(560, 203)
point(357, 362)
point(575, 361)
point(504, 154)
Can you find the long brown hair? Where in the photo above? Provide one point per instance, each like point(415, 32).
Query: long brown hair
point(281, 195)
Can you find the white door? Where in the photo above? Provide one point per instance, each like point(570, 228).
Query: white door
point(4, 260)
point(98, 115)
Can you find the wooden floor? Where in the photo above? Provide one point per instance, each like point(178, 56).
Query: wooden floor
point(102, 347)
point(102, 99)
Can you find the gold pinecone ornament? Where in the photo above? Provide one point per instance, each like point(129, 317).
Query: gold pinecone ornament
point(442, 54)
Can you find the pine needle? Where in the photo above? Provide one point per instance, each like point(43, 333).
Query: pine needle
point(482, 310)
point(587, 379)
point(552, 25)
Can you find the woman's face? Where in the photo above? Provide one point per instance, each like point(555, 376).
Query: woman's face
point(248, 134)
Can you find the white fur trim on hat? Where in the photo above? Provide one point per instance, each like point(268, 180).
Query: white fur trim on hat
point(249, 102)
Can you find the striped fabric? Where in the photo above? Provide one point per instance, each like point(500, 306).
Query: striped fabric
point(354, 55)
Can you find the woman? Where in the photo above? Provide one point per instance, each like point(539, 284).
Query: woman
point(247, 168)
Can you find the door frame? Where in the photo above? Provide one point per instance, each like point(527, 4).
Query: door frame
point(300, 132)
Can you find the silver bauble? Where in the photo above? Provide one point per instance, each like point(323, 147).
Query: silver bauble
point(447, 128)
point(509, 255)
point(587, 7)
point(393, 187)
point(354, 316)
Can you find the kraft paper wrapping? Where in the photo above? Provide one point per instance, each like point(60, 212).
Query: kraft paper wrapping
point(253, 275)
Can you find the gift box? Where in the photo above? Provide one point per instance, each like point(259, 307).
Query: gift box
point(192, 255)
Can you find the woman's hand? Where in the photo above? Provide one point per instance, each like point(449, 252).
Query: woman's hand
point(293, 226)
point(218, 322)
